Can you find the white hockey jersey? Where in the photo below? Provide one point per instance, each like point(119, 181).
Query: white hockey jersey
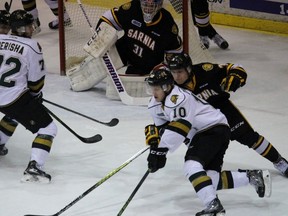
point(186, 114)
point(21, 64)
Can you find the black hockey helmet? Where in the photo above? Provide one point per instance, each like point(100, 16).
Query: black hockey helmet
point(18, 20)
point(180, 61)
point(4, 17)
point(160, 76)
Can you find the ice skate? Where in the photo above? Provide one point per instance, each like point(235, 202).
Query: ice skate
point(261, 180)
point(282, 165)
point(55, 23)
point(34, 174)
point(220, 41)
point(205, 41)
point(3, 150)
point(214, 208)
point(37, 28)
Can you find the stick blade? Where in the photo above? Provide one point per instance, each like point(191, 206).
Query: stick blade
point(94, 139)
point(113, 122)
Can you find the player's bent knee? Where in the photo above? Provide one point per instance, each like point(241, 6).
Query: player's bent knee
point(51, 130)
point(191, 167)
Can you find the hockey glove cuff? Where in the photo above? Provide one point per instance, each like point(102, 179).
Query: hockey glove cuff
point(157, 159)
point(231, 83)
point(152, 135)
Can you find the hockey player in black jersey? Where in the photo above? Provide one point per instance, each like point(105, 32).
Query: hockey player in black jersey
point(213, 82)
point(150, 33)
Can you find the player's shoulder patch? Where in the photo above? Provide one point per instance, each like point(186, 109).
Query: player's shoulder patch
point(126, 6)
point(175, 98)
point(174, 29)
point(207, 66)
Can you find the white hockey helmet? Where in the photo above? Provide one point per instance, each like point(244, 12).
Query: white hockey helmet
point(150, 8)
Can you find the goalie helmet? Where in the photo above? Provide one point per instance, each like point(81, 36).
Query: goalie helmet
point(180, 61)
point(4, 22)
point(150, 8)
point(4, 17)
point(20, 22)
point(160, 76)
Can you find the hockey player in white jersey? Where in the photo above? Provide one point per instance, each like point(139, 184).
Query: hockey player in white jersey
point(22, 75)
point(179, 116)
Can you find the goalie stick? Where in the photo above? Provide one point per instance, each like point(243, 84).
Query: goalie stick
point(111, 123)
point(93, 139)
point(133, 193)
point(109, 175)
point(124, 96)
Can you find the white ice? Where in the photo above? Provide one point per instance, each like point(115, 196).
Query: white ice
point(75, 166)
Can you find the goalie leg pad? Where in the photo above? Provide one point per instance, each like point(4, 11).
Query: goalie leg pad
point(101, 41)
point(86, 75)
point(134, 85)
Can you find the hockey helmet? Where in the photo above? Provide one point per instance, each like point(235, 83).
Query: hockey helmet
point(180, 61)
point(19, 19)
point(150, 8)
point(4, 17)
point(160, 76)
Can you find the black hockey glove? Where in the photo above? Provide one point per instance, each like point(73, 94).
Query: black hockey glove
point(231, 83)
point(157, 159)
point(38, 97)
point(152, 135)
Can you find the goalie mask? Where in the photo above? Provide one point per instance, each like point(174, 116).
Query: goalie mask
point(4, 22)
point(21, 23)
point(150, 8)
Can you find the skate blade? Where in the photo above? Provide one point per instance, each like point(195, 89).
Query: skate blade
point(35, 179)
point(267, 182)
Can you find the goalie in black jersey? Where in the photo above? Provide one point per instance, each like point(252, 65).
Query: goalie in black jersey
point(150, 33)
point(213, 82)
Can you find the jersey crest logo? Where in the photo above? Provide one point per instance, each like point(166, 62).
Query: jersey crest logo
point(207, 67)
point(136, 23)
point(126, 6)
point(174, 29)
point(174, 98)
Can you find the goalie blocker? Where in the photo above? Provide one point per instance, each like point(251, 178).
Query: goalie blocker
point(92, 69)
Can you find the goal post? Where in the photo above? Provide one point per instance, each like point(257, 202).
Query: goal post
point(72, 39)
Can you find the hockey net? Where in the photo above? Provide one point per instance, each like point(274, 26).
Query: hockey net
point(73, 38)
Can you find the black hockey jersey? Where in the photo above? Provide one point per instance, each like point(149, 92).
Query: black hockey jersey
point(207, 79)
point(143, 45)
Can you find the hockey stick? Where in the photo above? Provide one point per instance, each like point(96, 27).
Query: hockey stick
point(93, 139)
point(124, 96)
point(8, 6)
point(133, 193)
point(109, 175)
point(112, 123)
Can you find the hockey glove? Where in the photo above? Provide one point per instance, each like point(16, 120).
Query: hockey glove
point(231, 83)
point(157, 159)
point(152, 135)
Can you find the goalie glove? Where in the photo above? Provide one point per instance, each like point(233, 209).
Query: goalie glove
point(152, 135)
point(231, 83)
point(157, 159)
